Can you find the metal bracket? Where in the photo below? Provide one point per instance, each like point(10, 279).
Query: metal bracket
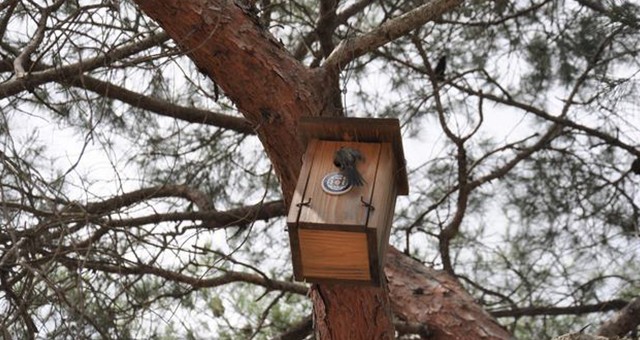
point(304, 204)
point(367, 204)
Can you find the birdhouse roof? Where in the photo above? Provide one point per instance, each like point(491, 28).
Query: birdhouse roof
point(364, 130)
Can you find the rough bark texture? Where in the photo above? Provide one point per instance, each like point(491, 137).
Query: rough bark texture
point(348, 312)
point(435, 299)
point(623, 322)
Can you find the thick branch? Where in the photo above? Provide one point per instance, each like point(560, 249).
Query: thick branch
point(623, 322)
point(193, 281)
point(436, 299)
point(162, 107)
point(17, 85)
point(213, 219)
point(326, 25)
point(353, 48)
point(299, 331)
point(572, 310)
point(155, 105)
point(197, 197)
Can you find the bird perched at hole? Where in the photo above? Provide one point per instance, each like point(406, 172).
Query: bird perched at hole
point(635, 166)
point(346, 159)
point(440, 68)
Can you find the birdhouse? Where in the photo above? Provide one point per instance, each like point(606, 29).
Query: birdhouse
point(339, 230)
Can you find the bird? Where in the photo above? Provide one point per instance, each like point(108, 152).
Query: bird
point(635, 166)
point(346, 159)
point(440, 68)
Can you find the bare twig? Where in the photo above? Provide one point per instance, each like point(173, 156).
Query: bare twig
point(20, 60)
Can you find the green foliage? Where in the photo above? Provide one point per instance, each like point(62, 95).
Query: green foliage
point(539, 58)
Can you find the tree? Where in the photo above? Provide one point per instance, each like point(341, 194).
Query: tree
point(152, 210)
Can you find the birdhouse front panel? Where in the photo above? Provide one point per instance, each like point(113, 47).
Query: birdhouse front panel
point(328, 223)
point(327, 208)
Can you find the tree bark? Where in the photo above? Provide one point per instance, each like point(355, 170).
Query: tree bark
point(435, 299)
point(351, 312)
point(623, 322)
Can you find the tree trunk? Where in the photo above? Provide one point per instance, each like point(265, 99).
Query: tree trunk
point(273, 90)
point(351, 312)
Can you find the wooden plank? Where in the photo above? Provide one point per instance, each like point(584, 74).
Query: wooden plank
point(383, 200)
point(294, 208)
point(334, 254)
point(301, 186)
point(294, 242)
point(367, 130)
point(375, 269)
point(339, 210)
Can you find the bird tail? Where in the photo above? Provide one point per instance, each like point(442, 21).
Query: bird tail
point(353, 176)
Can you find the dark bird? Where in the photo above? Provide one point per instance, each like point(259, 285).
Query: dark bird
point(635, 166)
point(440, 68)
point(345, 159)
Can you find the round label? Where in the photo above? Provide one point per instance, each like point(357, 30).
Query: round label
point(334, 183)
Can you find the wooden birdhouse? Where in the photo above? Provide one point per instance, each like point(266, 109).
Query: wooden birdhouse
point(339, 231)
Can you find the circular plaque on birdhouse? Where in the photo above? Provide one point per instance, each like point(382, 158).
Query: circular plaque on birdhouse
point(334, 183)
